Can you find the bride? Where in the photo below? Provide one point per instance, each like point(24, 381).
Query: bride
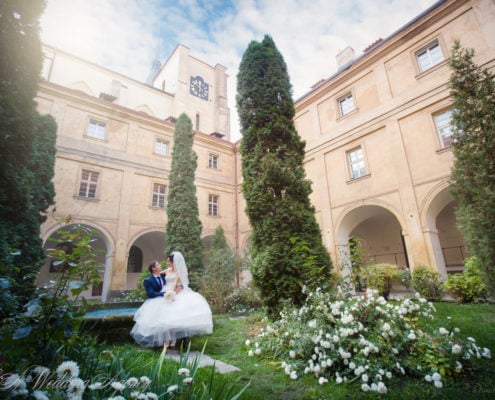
point(179, 313)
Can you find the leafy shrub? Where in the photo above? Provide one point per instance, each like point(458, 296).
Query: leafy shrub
point(244, 299)
point(138, 293)
point(381, 277)
point(426, 281)
point(467, 287)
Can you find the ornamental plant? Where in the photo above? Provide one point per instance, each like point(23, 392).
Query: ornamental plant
point(467, 287)
point(366, 341)
point(381, 277)
point(120, 377)
point(426, 281)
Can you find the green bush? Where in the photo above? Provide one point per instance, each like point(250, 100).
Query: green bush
point(381, 277)
point(467, 287)
point(244, 299)
point(426, 281)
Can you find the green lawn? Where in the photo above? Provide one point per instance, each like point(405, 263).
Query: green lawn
point(268, 381)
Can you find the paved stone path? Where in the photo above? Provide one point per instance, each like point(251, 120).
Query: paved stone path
point(204, 361)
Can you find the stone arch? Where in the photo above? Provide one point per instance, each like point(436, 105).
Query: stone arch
point(152, 244)
point(445, 242)
point(103, 245)
point(380, 227)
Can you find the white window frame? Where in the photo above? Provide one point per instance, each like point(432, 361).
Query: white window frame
point(213, 161)
point(444, 127)
point(356, 162)
point(161, 146)
point(213, 205)
point(346, 104)
point(159, 199)
point(96, 129)
point(88, 184)
point(429, 56)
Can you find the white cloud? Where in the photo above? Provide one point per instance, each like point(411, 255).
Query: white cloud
point(123, 35)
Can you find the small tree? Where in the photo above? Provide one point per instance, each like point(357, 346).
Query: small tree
point(218, 279)
point(473, 172)
point(183, 232)
point(274, 186)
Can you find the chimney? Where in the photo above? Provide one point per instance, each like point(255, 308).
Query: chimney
point(345, 57)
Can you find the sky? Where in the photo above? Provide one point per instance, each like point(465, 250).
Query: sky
point(127, 35)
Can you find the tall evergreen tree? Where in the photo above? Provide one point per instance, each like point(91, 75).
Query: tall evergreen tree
point(27, 142)
point(473, 172)
point(183, 232)
point(274, 186)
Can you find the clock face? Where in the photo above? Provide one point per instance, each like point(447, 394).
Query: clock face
point(198, 87)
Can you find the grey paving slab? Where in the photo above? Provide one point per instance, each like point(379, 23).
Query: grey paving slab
point(204, 361)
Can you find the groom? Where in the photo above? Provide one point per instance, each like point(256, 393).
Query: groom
point(154, 283)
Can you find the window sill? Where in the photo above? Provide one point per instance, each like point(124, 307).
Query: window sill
point(444, 149)
point(342, 117)
point(420, 75)
point(92, 199)
point(352, 180)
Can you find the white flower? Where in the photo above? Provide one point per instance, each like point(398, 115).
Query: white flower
point(172, 388)
point(95, 386)
point(382, 388)
point(385, 327)
point(436, 376)
point(116, 398)
point(145, 380)
point(438, 384)
point(258, 351)
point(338, 380)
point(292, 354)
point(131, 382)
point(183, 372)
point(365, 387)
point(76, 387)
point(364, 378)
point(456, 349)
point(152, 396)
point(250, 353)
point(388, 374)
point(352, 365)
point(322, 380)
point(14, 382)
point(471, 339)
point(443, 331)
point(312, 323)
point(118, 386)
point(68, 368)
point(247, 342)
point(293, 375)
point(40, 395)
point(39, 370)
point(187, 380)
point(411, 336)
point(486, 353)
point(428, 378)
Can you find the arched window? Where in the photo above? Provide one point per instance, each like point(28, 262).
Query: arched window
point(197, 122)
point(135, 260)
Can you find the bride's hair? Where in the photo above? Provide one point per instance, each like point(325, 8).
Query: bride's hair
point(171, 257)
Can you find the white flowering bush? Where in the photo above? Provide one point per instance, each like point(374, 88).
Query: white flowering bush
point(364, 340)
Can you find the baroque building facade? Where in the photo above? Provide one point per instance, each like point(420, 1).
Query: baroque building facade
point(377, 138)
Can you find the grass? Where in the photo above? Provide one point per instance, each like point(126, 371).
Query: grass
point(268, 381)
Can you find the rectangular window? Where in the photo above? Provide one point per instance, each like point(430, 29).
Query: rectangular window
point(88, 184)
point(161, 147)
point(429, 56)
point(213, 205)
point(346, 104)
point(443, 124)
point(213, 161)
point(356, 163)
point(96, 129)
point(159, 195)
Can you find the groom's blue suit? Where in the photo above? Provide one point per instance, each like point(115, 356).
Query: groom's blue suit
point(152, 287)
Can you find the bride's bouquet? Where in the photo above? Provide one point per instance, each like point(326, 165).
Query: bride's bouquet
point(169, 295)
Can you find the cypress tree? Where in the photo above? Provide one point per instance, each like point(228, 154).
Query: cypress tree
point(286, 241)
point(183, 232)
point(473, 172)
point(27, 143)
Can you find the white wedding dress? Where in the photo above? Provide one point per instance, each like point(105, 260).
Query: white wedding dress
point(160, 321)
